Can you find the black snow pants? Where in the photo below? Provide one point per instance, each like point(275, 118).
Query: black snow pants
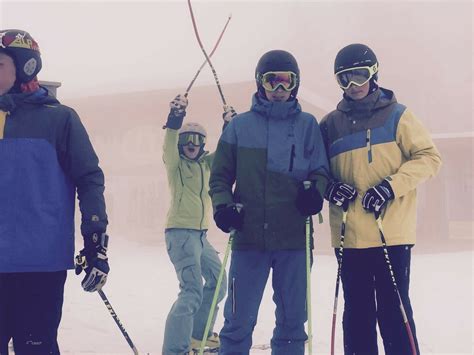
point(369, 297)
point(30, 311)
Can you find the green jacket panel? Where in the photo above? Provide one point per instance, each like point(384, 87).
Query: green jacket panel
point(267, 152)
point(188, 181)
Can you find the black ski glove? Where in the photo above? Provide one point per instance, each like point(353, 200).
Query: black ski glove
point(93, 260)
point(228, 217)
point(340, 193)
point(177, 112)
point(377, 197)
point(309, 200)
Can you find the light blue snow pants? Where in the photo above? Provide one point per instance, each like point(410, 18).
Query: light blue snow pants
point(193, 259)
point(248, 274)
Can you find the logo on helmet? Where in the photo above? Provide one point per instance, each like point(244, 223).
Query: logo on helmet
point(17, 41)
point(30, 66)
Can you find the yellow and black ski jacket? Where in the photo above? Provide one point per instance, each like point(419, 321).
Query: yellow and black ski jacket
point(367, 141)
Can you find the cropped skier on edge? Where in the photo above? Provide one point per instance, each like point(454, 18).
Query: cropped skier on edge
point(45, 157)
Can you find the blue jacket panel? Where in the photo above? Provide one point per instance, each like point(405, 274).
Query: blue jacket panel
point(45, 155)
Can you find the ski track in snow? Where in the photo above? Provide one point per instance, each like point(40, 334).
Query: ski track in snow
point(142, 287)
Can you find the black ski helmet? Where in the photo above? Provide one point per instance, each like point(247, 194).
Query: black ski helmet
point(277, 60)
point(357, 55)
point(24, 51)
point(354, 55)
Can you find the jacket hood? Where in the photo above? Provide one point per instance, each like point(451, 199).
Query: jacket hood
point(10, 101)
point(275, 110)
point(374, 101)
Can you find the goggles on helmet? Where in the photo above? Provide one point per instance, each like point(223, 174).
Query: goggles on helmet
point(272, 80)
point(357, 76)
point(191, 137)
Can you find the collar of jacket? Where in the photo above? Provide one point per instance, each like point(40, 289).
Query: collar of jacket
point(10, 101)
point(362, 108)
point(275, 110)
point(199, 159)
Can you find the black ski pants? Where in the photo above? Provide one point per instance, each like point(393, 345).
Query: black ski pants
point(30, 311)
point(369, 297)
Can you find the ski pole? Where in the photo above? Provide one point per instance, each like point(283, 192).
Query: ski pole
point(117, 321)
point(205, 60)
point(307, 185)
point(205, 54)
point(378, 219)
point(218, 286)
point(345, 207)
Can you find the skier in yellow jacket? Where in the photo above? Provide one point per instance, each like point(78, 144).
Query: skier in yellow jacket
point(379, 152)
point(188, 169)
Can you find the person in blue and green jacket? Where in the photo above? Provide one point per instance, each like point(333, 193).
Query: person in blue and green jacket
point(268, 152)
point(188, 167)
point(379, 153)
point(45, 158)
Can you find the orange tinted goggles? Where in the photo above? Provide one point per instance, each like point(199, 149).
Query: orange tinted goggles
point(272, 80)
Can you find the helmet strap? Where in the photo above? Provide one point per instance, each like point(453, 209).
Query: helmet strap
point(30, 86)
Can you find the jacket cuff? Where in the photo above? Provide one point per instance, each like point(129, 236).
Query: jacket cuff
point(221, 198)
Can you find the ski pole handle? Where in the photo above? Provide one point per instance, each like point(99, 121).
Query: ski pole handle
point(377, 214)
point(239, 206)
point(232, 232)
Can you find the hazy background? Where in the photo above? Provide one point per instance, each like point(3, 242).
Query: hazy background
point(120, 63)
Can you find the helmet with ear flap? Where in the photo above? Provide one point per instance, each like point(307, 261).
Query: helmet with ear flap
point(24, 51)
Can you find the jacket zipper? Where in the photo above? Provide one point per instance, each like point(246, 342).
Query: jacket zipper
point(292, 157)
point(233, 295)
point(369, 146)
point(200, 195)
point(182, 187)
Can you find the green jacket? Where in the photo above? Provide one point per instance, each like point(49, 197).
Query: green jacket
point(267, 152)
point(189, 185)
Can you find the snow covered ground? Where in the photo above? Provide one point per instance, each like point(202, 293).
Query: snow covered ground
point(142, 286)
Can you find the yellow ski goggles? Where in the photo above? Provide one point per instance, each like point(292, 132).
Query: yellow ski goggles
point(193, 138)
point(272, 80)
point(357, 76)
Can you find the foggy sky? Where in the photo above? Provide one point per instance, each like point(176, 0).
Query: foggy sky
point(424, 47)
